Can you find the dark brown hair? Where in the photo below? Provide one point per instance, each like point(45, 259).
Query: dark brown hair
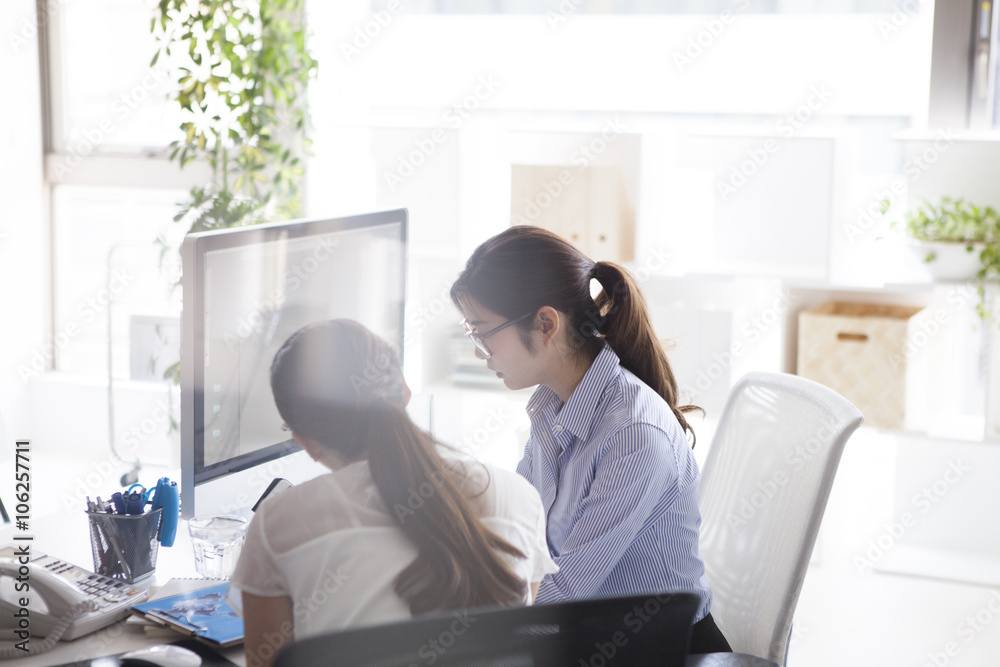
point(341, 385)
point(524, 268)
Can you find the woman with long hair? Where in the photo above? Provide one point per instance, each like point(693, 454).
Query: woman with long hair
point(395, 529)
point(608, 450)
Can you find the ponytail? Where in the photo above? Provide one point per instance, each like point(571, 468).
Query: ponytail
point(342, 386)
point(458, 563)
point(626, 327)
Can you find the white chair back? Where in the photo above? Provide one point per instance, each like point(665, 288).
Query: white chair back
point(763, 492)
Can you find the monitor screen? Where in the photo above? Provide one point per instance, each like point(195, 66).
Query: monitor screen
point(246, 290)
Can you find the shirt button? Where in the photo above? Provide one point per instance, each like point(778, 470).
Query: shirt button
point(558, 428)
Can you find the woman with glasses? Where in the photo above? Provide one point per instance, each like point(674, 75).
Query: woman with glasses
point(608, 449)
point(395, 528)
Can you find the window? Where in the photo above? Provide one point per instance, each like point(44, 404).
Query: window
point(965, 70)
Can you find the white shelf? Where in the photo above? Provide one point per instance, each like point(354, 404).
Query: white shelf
point(936, 134)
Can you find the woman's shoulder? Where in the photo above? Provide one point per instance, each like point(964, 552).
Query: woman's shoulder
point(631, 405)
point(495, 491)
point(339, 500)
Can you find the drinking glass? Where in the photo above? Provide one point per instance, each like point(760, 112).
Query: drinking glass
point(217, 542)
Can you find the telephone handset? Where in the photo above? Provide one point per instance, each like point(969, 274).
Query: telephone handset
point(57, 594)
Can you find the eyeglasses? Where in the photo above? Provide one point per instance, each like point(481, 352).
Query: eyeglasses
point(479, 339)
point(286, 428)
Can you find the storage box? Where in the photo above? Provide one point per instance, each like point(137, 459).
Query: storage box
point(871, 354)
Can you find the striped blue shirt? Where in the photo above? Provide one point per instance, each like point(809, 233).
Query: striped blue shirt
point(619, 484)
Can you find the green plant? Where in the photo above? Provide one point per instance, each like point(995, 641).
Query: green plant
point(958, 221)
point(241, 69)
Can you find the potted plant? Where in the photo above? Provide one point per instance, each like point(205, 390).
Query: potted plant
point(240, 70)
point(958, 241)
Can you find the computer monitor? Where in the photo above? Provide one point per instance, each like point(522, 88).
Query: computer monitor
point(245, 291)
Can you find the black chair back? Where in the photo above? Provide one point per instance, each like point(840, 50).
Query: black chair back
point(632, 631)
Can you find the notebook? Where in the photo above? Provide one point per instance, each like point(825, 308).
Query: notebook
point(203, 614)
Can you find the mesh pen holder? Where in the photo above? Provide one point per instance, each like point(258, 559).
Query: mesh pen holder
point(125, 545)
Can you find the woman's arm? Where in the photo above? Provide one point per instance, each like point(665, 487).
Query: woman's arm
point(631, 482)
point(267, 627)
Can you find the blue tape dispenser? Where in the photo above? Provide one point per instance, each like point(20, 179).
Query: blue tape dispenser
point(165, 495)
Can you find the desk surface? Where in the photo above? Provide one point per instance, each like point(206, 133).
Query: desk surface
point(66, 535)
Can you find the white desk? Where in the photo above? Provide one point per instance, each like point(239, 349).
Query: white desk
point(66, 535)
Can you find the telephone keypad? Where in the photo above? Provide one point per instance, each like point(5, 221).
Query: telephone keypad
point(104, 591)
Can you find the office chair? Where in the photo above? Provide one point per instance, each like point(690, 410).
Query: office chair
point(763, 491)
point(631, 631)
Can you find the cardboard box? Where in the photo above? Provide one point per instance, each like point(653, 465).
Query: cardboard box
point(870, 354)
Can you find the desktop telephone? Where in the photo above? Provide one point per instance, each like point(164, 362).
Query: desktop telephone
point(57, 591)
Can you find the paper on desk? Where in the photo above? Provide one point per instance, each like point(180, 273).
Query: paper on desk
point(172, 587)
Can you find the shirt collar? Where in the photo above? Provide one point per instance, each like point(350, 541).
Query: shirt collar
point(579, 412)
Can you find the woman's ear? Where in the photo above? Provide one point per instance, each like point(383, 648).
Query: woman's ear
point(547, 322)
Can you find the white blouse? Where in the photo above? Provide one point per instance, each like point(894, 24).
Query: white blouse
point(332, 546)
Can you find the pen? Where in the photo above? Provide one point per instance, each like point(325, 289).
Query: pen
point(135, 503)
